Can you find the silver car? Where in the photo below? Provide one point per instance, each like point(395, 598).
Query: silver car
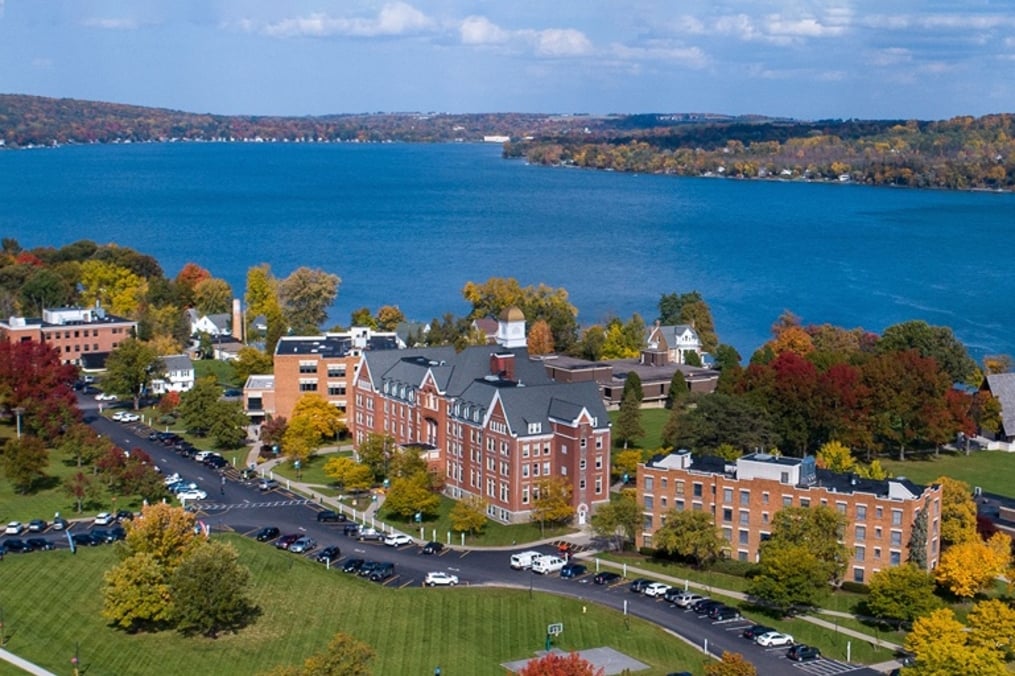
point(303, 545)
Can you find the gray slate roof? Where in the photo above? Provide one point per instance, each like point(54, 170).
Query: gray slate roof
point(178, 362)
point(1002, 386)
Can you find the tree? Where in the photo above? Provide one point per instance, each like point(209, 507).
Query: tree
point(958, 511)
point(835, 457)
point(136, 594)
point(732, 664)
point(375, 452)
point(352, 475)
point(362, 317)
point(116, 288)
point(130, 369)
point(389, 317)
point(251, 361)
point(553, 502)
point(902, 594)
point(213, 296)
point(678, 391)
point(345, 656)
point(969, 567)
point(412, 494)
point(197, 405)
point(541, 302)
point(689, 308)
point(263, 301)
point(918, 541)
point(620, 518)
point(210, 591)
point(555, 664)
point(791, 577)
point(163, 531)
point(82, 488)
point(935, 342)
point(44, 289)
point(33, 378)
point(190, 275)
point(625, 463)
point(313, 420)
point(628, 426)
point(306, 295)
point(941, 645)
point(227, 424)
point(24, 460)
point(540, 338)
point(710, 421)
point(691, 534)
point(469, 514)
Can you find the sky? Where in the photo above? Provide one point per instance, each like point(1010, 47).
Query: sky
point(807, 59)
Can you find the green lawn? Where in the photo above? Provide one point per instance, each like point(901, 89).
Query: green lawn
point(652, 421)
point(52, 602)
point(223, 371)
point(993, 471)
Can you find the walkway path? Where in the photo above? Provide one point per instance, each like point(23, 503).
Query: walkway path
point(23, 664)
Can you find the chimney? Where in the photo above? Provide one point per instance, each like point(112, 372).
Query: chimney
point(239, 326)
point(503, 365)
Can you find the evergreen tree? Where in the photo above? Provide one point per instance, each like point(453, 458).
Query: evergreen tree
point(918, 541)
point(678, 390)
point(628, 426)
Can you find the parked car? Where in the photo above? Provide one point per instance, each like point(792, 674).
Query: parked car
point(101, 536)
point(215, 461)
point(42, 544)
point(656, 589)
point(329, 555)
point(433, 548)
point(303, 545)
point(84, 540)
point(606, 577)
point(672, 594)
point(703, 606)
point(266, 533)
point(353, 565)
point(370, 534)
point(545, 565)
point(37, 525)
point(104, 519)
point(440, 578)
point(799, 653)
point(192, 494)
point(171, 479)
point(573, 570)
point(330, 516)
point(267, 485)
point(17, 546)
point(524, 560)
point(755, 630)
point(773, 639)
point(105, 396)
point(351, 529)
point(367, 567)
point(397, 540)
point(723, 613)
point(382, 572)
point(124, 515)
point(127, 417)
point(59, 523)
point(638, 585)
point(687, 599)
point(117, 533)
point(14, 528)
point(286, 540)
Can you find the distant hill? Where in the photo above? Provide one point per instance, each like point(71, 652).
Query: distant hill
point(960, 153)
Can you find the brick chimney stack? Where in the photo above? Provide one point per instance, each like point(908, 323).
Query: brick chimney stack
point(503, 364)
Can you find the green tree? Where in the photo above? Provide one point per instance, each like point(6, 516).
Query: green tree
point(902, 594)
point(628, 426)
point(553, 502)
point(363, 317)
point(227, 424)
point(918, 541)
point(469, 514)
point(690, 534)
point(620, 519)
point(345, 656)
point(791, 577)
point(689, 308)
point(44, 289)
point(24, 462)
point(306, 295)
point(213, 296)
point(936, 342)
point(251, 361)
point(411, 494)
point(136, 594)
point(197, 405)
point(709, 421)
point(678, 391)
point(376, 452)
point(210, 591)
point(130, 369)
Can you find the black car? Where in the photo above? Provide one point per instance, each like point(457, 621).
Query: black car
point(329, 555)
point(42, 544)
point(573, 570)
point(351, 529)
point(606, 577)
point(37, 525)
point(353, 565)
point(755, 630)
point(286, 540)
point(116, 533)
point(215, 461)
point(801, 652)
point(17, 546)
point(60, 523)
point(382, 571)
point(721, 613)
point(84, 540)
point(124, 515)
point(433, 548)
point(638, 586)
point(703, 606)
point(330, 516)
point(101, 535)
point(368, 568)
point(267, 533)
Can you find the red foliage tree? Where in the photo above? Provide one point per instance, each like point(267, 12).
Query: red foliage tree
point(33, 379)
point(555, 664)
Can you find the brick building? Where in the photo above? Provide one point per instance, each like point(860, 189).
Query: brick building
point(744, 495)
point(490, 419)
point(83, 336)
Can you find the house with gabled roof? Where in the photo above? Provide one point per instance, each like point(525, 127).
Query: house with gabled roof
point(677, 341)
point(494, 423)
point(177, 376)
point(1002, 387)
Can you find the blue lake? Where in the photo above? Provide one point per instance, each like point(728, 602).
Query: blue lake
point(410, 224)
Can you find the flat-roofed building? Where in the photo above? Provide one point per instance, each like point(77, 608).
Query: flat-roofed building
point(82, 336)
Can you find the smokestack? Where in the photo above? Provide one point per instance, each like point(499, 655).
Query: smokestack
point(239, 326)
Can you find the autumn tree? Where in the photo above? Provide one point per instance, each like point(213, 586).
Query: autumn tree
point(82, 488)
point(345, 656)
point(490, 298)
point(540, 338)
point(469, 514)
point(389, 317)
point(933, 342)
point(313, 420)
point(190, 275)
point(901, 594)
point(691, 309)
point(164, 531)
point(33, 379)
point(619, 519)
point(136, 594)
point(24, 462)
point(262, 300)
point(555, 664)
point(992, 626)
point(213, 296)
point(210, 591)
point(353, 476)
point(116, 288)
point(969, 567)
point(306, 295)
point(835, 457)
point(941, 645)
point(731, 664)
point(130, 369)
point(691, 534)
point(625, 463)
point(411, 494)
point(553, 502)
point(376, 452)
point(958, 511)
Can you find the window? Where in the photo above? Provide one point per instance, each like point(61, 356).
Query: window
point(649, 484)
point(546, 469)
point(599, 462)
point(308, 367)
point(764, 498)
point(784, 477)
point(525, 495)
point(859, 553)
point(679, 506)
point(858, 575)
point(727, 515)
point(744, 536)
point(861, 512)
point(896, 538)
point(896, 517)
point(581, 484)
point(649, 502)
point(895, 558)
point(805, 502)
point(680, 488)
point(745, 498)
point(744, 517)
point(525, 470)
point(599, 485)
point(764, 517)
point(308, 386)
point(727, 533)
point(879, 513)
point(787, 501)
point(840, 507)
point(336, 390)
point(727, 496)
point(525, 450)
point(877, 553)
point(697, 490)
point(582, 464)
point(861, 533)
point(877, 532)
point(741, 555)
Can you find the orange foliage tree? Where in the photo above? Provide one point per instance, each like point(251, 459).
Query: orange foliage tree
point(556, 664)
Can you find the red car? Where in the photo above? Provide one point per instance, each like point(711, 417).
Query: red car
point(286, 540)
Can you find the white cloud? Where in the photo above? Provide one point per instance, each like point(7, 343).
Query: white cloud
point(803, 28)
point(891, 56)
point(396, 18)
point(478, 30)
point(109, 23)
point(562, 42)
point(692, 57)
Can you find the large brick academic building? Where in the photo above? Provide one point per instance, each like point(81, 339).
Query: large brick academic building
point(83, 336)
point(744, 495)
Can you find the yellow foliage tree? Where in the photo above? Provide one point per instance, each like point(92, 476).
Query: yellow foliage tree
point(941, 645)
point(968, 567)
point(626, 462)
point(836, 457)
point(540, 338)
point(793, 339)
point(164, 531)
point(958, 511)
point(732, 664)
point(313, 420)
point(354, 476)
point(137, 593)
point(992, 625)
point(118, 289)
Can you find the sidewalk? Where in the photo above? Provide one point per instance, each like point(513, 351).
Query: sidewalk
point(23, 664)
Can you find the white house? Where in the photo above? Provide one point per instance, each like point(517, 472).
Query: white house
point(178, 377)
point(677, 341)
point(213, 325)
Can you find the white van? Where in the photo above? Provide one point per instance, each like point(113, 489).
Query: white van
point(524, 560)
point(547, 564)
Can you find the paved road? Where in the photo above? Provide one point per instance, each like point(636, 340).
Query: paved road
point(239, 506)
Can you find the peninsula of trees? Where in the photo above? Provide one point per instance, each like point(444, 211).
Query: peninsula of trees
point(963, 153)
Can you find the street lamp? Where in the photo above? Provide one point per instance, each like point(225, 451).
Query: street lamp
point(18, 412)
